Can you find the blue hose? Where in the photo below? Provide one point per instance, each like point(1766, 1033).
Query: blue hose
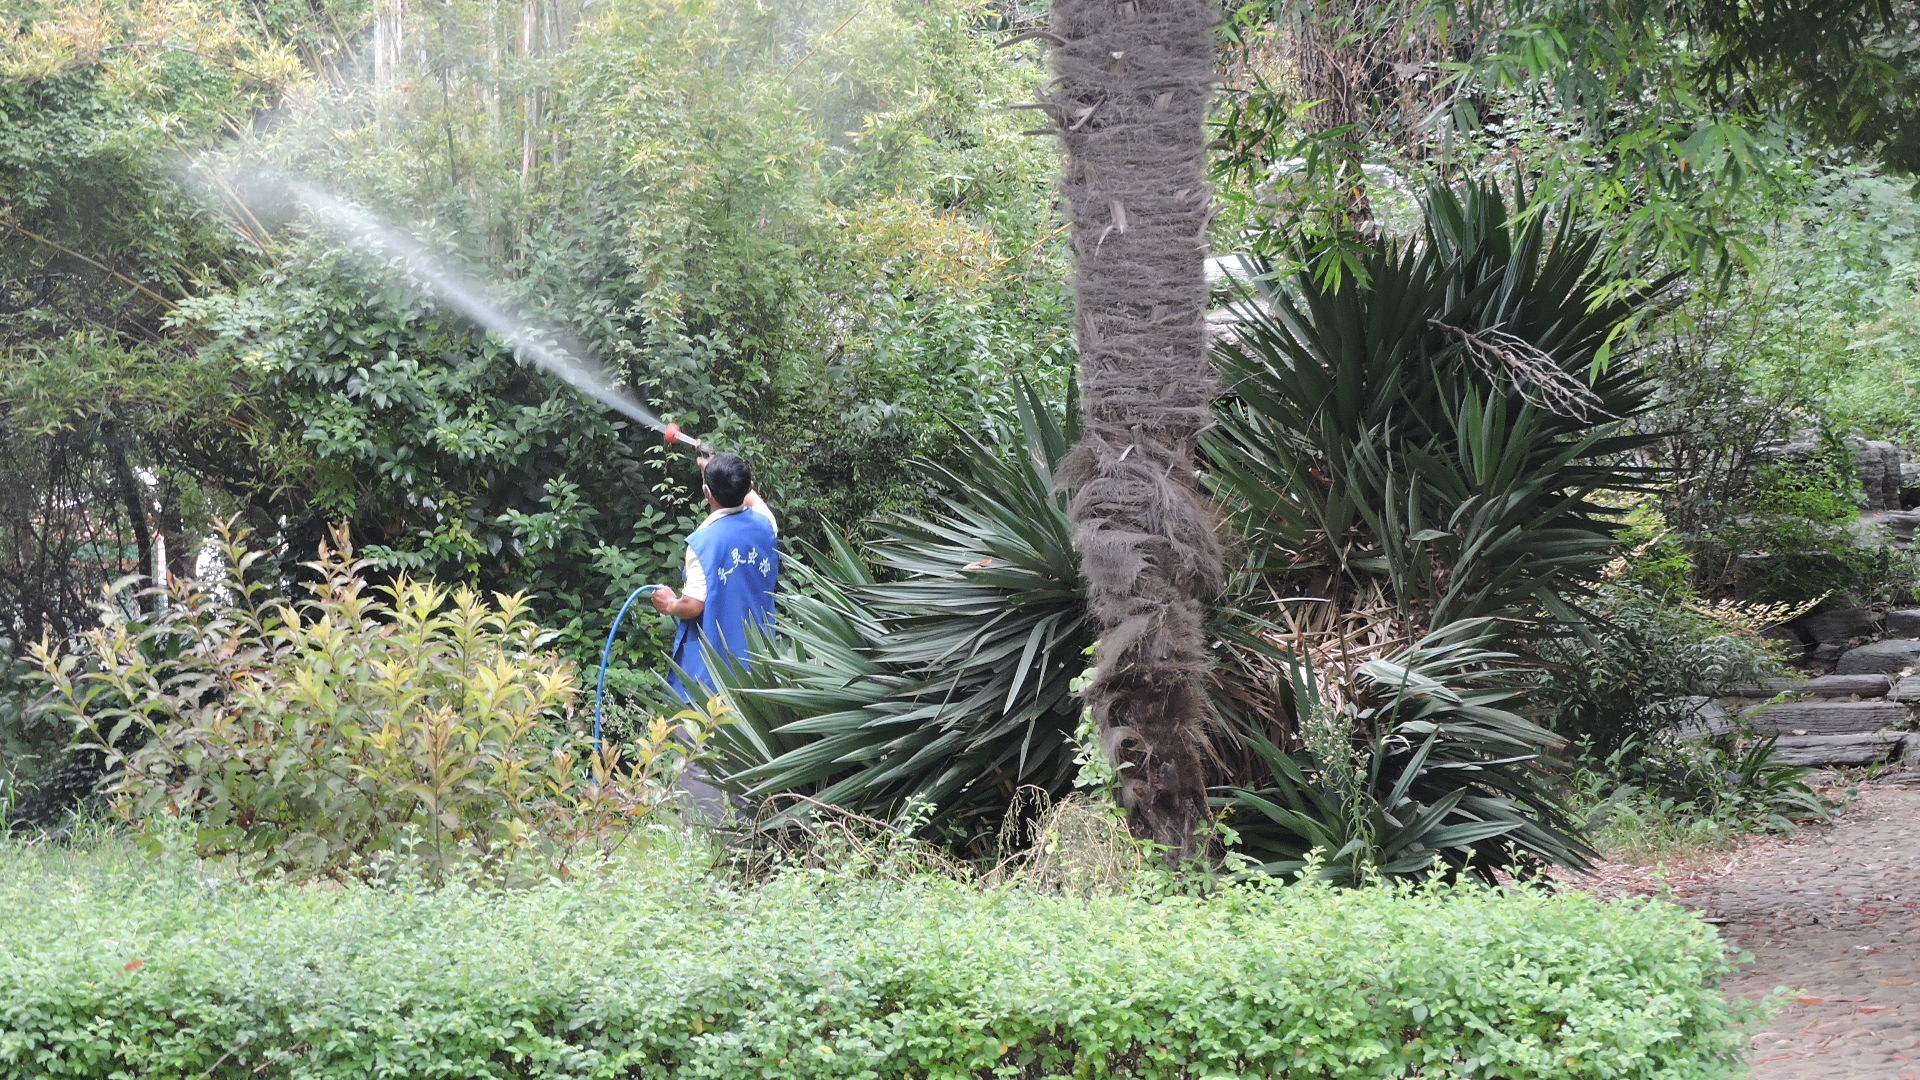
point(600, 691)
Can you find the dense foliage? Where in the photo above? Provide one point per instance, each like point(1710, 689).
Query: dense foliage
point(1423, 441)
point(659, 972)
point(804, 230)
point(798, 231)
point(1392, 473)
point(360, 732)
point(1646, 664)
point(1409, 763)
point(812, 232)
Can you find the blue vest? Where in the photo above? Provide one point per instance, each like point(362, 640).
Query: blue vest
point(740, 555)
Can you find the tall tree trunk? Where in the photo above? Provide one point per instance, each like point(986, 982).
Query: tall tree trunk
point(1331, 43)
point(1134, 80)
point(170, 521)
point(132, 499)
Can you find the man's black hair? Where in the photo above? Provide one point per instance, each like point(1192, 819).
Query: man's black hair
point(729, 479)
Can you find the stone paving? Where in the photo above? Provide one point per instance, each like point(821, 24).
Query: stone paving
point(1832, 914)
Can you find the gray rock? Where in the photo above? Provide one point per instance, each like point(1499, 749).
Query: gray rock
point(1910, 755)
point(1708, 718)
point(1837, 625)
point(1844, 685)
point(1828, 650)
point(1901, 523)
point(1825, 686)
point(1905, 623)
point(1838, 749)
point(1800, 446)
point(1879, 658)
point(1891, 458)
point(1878, 466)
point(1907, 689)
point(1828, 717)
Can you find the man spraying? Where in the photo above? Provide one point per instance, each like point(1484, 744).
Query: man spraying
point(732, 570)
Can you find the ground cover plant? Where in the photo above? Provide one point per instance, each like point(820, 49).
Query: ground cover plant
point(1649, 802)
point(113, 965)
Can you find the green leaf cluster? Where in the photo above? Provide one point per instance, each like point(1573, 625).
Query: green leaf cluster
point(1655, 797)
point(1642, 667)
point(1409, 458)
point(803, 230)
point(1416, 764)
point(658, 971)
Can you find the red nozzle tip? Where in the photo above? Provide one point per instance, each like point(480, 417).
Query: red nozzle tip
point(672, 433)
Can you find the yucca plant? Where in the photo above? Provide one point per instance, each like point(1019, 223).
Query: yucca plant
point(1407, 763)
point(1420, 443)
point(1411, 454)
point(942, 681)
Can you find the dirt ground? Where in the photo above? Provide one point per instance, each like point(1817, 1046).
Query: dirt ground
point(1832, 914)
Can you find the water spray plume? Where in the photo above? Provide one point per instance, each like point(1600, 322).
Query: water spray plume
point(552, 351)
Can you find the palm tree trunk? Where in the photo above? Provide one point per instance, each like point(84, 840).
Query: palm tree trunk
point(1135, 78)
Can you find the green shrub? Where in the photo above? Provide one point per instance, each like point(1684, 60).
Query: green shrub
point(1656, 560)
point(936, 664)
point(1421, 444)
point(1802, 541)
point(1639, 668)
point(405, 722)
point(1651, 798)
point(23, 742)
point(658, 971)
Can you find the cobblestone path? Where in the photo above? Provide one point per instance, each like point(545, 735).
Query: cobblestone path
point(1833, 915)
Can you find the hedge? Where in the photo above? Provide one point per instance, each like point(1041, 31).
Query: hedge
point(131, 969)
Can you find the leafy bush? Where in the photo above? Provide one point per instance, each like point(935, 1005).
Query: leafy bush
point(657, 971)
point(1419, 449)
point(1643, 663)
point(356, 732)
point(1826, 314)
point(1421, 443)
point(948, 682)
point(1803, 543)
point(1414, 455)
point(1652, 797)
point(22, 743)
point(952, 684)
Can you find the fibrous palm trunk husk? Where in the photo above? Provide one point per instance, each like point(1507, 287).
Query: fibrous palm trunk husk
point(1134, 79)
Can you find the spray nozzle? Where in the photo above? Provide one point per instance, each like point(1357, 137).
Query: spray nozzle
point(675, 435)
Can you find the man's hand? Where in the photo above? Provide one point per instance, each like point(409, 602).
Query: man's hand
point(666, 602)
